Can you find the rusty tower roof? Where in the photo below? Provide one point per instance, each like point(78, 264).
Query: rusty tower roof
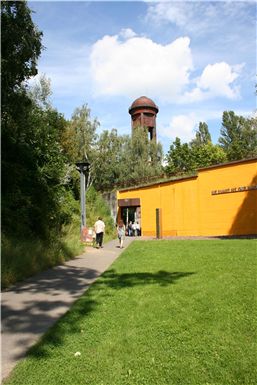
point(144, 102)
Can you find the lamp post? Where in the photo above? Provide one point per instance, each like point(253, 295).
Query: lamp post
point(83, 167)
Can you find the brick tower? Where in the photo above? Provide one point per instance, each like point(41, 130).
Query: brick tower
point(143, 113)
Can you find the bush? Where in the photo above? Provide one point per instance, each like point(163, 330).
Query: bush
point(97, 207)
point(22, 258)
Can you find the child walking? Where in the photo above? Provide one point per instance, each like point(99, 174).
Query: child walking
point(121, 233)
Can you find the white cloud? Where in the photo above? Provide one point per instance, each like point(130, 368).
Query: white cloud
point(216, 80)
point(127, 33)
point(139, 66)
point(182, 126)
point(197, 16)
point(194, 16)
point(164, 11)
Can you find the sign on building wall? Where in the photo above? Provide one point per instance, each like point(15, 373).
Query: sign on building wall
point(234, 190)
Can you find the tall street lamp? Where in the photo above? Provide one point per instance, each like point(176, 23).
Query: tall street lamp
point(83, 167)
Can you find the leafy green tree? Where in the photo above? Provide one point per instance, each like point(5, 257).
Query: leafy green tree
point(249, 138)
point(79, 137)
point(34, 176)
point(202, 135)
point(238, 136)
point(33, 164)
point(40, 91)
point(108, 165)
point(203, 152)
point(200, 152)
point(179, 158)
point(97, 206)
point(207, 155)
point(122, 160)
point(143, 158)
point(78, 141)
point(21, 46)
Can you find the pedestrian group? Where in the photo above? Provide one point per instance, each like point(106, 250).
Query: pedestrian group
point(133, 229)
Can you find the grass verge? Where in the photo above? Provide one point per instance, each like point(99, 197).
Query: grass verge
point(166, 312)
point(22, 258)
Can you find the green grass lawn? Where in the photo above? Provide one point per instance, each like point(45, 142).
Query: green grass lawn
point(166, 312)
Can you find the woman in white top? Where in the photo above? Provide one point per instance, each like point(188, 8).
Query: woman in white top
point(99, 231)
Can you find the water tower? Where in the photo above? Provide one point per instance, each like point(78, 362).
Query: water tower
point(143, 113)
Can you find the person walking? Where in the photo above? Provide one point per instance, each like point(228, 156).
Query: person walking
point(134, 228)
point(138, 229)
point(99, 231)
point(130, 230)
point(121, 232)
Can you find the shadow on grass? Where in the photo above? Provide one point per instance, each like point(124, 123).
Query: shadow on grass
point(70, 323)
point(120, 281)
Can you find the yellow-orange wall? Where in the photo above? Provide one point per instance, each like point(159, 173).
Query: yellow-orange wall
point(189, 209)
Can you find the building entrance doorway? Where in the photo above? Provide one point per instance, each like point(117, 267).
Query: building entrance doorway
point(132, 216)
point(130, 213)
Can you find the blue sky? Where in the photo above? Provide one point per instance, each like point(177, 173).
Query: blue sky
point(194, 59)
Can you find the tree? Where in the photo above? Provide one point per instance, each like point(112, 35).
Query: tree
point(34, 195)
point(202, 135)
point(200, 152)
point(21, 47)
point(179, 158)
point(238, 136)
point(34, 173)
point(207, 154)
point(40, 92)
point(79, 138)
point(143, 157)
point(203, 152)
point(122, 160)
point(21, 44)
point(249, 138)
point(78, 141)
point(108, 164)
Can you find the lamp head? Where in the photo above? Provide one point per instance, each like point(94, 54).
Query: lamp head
point(83, 166)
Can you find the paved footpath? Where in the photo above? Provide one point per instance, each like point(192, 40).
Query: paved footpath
point(30, 308)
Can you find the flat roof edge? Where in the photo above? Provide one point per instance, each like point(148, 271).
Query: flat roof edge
point(172, 179)
point(195, 175)
point(228, 163)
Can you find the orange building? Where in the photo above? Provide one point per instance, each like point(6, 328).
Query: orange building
point(218, 200)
